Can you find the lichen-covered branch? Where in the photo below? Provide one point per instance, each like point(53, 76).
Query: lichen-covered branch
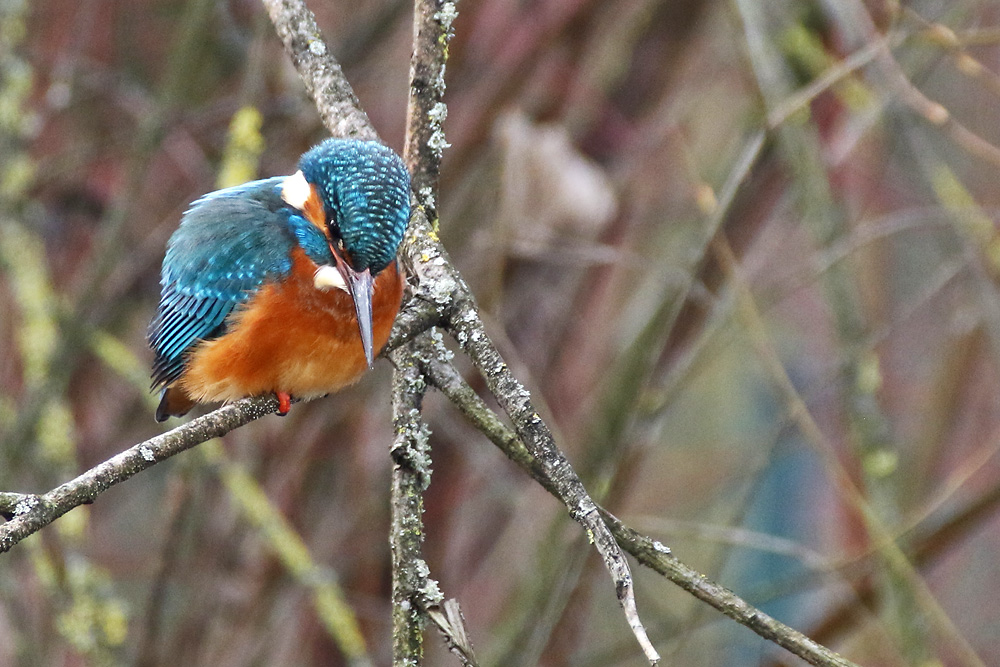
point(411, 475)
point(321, 74)
point(32, 513)
point(425, 139)
point(414, 593)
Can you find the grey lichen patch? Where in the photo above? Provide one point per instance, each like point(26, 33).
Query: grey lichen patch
point(26, 504)
point(440, 290)
point(438, 84)
point(466, 328)
point(426, 196)
point(437, 142)
point(412, 445)
point(661, 548)
point(412, 383)
point(438, 113)
point(446, 17)
point(412, 525)
point(438, 348)
point(317, 47)
point(431, 592)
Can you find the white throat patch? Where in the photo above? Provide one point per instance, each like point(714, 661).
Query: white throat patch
point(295, 190)
point(328, 277)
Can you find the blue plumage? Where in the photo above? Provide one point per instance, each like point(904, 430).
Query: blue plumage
point(229, 243)
point(366, 191)
point(233, 241)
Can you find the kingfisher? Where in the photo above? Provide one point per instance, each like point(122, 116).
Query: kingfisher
point(287, 285)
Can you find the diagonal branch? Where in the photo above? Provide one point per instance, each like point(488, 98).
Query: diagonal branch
point(32, 513)
point(646, 550)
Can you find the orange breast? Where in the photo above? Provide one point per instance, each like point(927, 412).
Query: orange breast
point(291, 337)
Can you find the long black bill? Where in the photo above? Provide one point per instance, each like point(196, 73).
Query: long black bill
point(362, 285)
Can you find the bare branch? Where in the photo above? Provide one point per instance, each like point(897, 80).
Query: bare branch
point(32, 513)
point(657, 557)
point(411, 476)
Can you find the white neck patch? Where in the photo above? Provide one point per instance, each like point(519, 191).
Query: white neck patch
point(328, 277)
point(295, 190)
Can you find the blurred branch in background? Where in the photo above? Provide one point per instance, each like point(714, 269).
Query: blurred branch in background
point(743, 256)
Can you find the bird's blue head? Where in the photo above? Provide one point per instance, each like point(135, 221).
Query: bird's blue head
point(365, 191)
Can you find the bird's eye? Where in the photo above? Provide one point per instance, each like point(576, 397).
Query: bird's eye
point(333, 231)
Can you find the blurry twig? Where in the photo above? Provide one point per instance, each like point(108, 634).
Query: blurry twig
point(801, 99)
point(289, 547)
point(933, 112)
point(736, 536)
point(89, 304)
point(647, 551)
point(895, 558)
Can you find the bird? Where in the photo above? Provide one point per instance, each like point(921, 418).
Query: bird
point(287, 285)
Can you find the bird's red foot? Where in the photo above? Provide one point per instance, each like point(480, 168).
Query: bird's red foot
point(284, 403)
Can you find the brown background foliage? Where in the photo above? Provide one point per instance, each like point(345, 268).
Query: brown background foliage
point(721, 389)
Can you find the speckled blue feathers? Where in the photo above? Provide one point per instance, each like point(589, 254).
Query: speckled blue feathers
point(365, 189)
point(229, 243)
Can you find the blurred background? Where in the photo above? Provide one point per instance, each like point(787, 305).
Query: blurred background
point(744, 254)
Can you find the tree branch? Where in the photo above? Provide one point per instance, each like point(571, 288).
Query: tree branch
point(411, 475)
point(415, 596)
point(32, 513)
point(646, 550)
point(324, 79)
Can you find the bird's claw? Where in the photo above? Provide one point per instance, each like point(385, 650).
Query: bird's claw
point(284, 403)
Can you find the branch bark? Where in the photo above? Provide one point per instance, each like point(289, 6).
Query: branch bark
point(31, 513)
point(411, 475)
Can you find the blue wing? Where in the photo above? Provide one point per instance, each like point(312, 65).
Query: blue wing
point(229, 243)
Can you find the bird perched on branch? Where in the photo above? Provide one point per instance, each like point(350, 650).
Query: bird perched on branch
point(286, 285)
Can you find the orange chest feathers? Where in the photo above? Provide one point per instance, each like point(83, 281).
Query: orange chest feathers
point(292, 337)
